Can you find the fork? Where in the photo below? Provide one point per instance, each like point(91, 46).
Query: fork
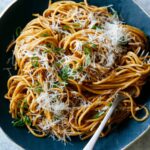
point(119, 98)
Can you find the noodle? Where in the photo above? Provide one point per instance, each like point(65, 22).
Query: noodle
point(72, 62)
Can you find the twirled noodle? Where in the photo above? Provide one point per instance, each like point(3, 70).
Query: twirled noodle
point(72, 61)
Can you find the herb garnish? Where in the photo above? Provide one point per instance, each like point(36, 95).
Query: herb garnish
point(57, 117)
point(44, 34)
point(110, 104)
point(22, 121)
point(87, 52)
point(80, 69)
point(87, 60)
point(25, 104)
point(77, 25)
point(58, 49)
point(98, 114)
point(47, 50)
point(94, 45)
point(95, 27)
point(18, 31)
point(55, 85)
point(34, 61)
point(64, 73)
point(38, 88)
point(65, 27)
point(48, 45)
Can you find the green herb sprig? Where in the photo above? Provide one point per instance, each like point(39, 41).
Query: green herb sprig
point(25, 104)
point(98, 114)
point(110, 104)
point(65, 27)
point(35, 62)
point(45, 34)
point(87, 52)
point(58, 50)
point(47, 50)
point(64, 73)
point(97, 27)
point(21, 122)
point(77, 25)
point(38, 88)
point(18, 31)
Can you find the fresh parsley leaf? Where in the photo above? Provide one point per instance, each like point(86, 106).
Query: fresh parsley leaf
point(63, 83)
point(55, 84)
point(58, 49)
point(77, 25)
point(44, 34)
point(34, 61)
point(94, 46)
point(64, 73)
point(95, 27)
point(37, 83)
point(58, 84)
point(22, 121)
point(90, 45)
point(25, 106)
point(48, 45)
point(87, 51)
point(98, 114)
point(38, 89)
point(27, 120)
point(65, 27)
point(47, 51)
point(18, 123)
point(18, 31)
point(67, 72)
point(80, 69)
point(59, 63)
point(56, 117)
point(110, 104)
point(87, 60)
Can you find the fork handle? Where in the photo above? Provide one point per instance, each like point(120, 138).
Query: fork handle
point(91, 143)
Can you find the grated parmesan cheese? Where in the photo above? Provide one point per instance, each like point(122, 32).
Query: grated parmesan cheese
point(78, 45)
point(51, 102)
point(114, 32)
point(92, 20)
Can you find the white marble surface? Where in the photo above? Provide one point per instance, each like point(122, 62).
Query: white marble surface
point(141, 144)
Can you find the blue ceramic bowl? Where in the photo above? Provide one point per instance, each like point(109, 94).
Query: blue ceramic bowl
point(19, 14)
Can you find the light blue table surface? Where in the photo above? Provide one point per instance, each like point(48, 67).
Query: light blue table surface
point(3, 4)
point(141, 144)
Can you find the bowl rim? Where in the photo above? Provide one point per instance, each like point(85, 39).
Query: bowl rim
point(17, 145)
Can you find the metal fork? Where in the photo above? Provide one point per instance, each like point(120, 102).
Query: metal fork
point(145, 54)
point(119, 98)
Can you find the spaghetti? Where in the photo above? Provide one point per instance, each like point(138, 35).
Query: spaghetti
point(72, 61)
